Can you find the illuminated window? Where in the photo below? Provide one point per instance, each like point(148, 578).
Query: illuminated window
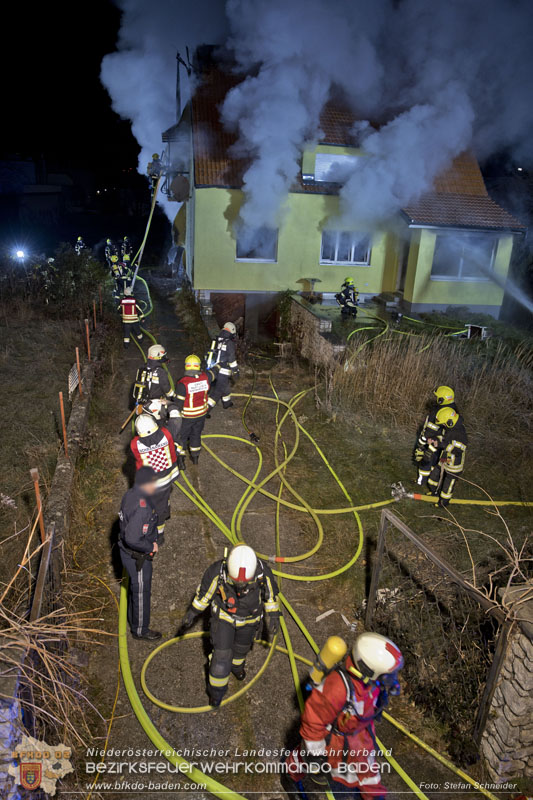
point(344, 247)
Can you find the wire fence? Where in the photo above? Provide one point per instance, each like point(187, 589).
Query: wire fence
point(453, 637)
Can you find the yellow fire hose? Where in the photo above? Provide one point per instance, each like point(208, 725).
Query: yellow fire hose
point(255, 486)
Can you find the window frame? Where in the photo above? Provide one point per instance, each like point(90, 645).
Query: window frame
point(242, 260)
point(459, 278)
point(349, 263)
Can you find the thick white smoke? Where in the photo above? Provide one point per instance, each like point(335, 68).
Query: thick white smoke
point(446, 75)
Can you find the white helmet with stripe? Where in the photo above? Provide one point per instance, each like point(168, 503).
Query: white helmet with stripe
point(145, 425)
point(242, 564)
point(230, 328)
point(157, 353)
point(374, 655)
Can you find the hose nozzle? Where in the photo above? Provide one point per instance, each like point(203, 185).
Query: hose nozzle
point(398, 491)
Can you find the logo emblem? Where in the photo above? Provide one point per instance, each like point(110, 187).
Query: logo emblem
point(30, 775)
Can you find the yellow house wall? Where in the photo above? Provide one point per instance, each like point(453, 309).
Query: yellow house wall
point(299, 243)
point(420, 288)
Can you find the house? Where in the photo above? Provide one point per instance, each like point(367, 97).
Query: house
point(424, 256)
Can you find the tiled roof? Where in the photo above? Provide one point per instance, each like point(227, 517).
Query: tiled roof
point(459, 197)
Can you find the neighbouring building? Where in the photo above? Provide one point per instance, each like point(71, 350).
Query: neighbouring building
point(427, 258)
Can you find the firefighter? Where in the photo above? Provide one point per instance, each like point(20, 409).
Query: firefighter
point(126, 248)
point(154, 170)
point(452, 443)
point(123, 278)
point(109, 250)
point(131, 316)
point(154, 447)
point(79, 246)
point(338, 745)
point(138, 544)
point(193, 401)
point(241, 590)
point(428, 443)
point(347, 298)
point(153, 392)
point(222, 354)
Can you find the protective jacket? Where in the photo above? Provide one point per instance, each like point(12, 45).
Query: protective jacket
point(192, 393)
point(453, 448)
point(431, 428)
point(129, 310)
point(237, 606)
point(223, 353)
point(338, 722)
point(347, 297)
point(157, 381)
point(138, 522)
point(159, 452)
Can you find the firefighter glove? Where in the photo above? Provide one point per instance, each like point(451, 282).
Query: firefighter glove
point(187, 620)
point(272, 623)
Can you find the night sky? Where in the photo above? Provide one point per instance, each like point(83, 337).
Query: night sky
point(54, 102)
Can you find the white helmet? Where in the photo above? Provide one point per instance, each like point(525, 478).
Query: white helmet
point(374, 655)
point(145, 425)
point(230, 328)
point(154, 408)
point(128, 291)
point(242, 564)
point(157, 353)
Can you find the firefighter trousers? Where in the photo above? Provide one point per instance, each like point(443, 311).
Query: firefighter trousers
point(231, 643)
point(131, 328)
point(442, 488)
point(222, 390)
point(191, 434)
point(139, 593)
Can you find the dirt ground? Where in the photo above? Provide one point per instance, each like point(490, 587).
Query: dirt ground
point(267, 716)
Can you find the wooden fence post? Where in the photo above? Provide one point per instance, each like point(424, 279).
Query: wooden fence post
point(63, 423)
point(35, 478)
point(79, 370)
point(94, 314)
point(88, 339)
point(100, 298)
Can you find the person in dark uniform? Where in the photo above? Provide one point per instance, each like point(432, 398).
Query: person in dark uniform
point(79, 246)
point(428, 445)
point(138, 546)
point(347, 298)
point(453, 443)
point(126, 248)
point(193, 402)
point(222, 354)
point(240, 589)
point(153, 391)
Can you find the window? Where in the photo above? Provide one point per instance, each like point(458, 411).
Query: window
point(333, 167)
point(343, 247)
point(463, 256)
point(258, 245)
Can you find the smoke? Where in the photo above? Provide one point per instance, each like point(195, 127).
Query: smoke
point(140, 75)
point(444, 76)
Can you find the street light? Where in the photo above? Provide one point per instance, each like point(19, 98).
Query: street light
point(20, 254)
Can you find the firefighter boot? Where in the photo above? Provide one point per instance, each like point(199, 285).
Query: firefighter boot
point(227, 404)
point(239, 672)
point(195, 457)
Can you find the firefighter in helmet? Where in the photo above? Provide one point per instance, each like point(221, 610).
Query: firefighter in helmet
point(453, 442)
point(222, 354)
point(79, 246)
point(110, 250)
point(131, 315)
point(338, 746)
point(241, 590)
point(126, 248)
point(122, 277)
point(153, 392)
point(193, 401)
point(138, 543)
point(154, 447)
point(154, 170)
point(428, 444)
point(347, 298)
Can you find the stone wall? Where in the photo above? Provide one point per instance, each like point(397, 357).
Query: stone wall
point(507, 741)
point(307, 334)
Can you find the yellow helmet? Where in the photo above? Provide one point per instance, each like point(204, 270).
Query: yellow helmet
point(447, 417)
point(445, 395)
point(349, 281)
point(193, 363)
point(80, 238)
point(155, 156)
point(114, 259)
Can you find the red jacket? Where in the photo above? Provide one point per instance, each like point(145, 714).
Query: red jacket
point(129, 309)
point(329, 727)
point(191, 394)
point(159, 452)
